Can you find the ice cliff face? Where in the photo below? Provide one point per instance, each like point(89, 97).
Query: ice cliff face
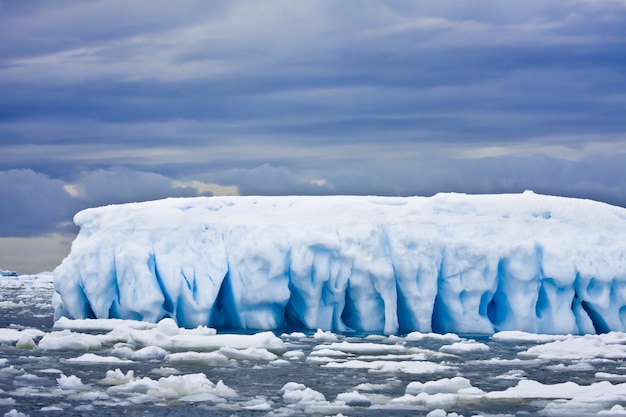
point(448, 263)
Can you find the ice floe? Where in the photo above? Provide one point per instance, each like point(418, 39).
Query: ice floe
point(65, 340)
point(89, 358)
point(610, 346)
point(465, 347)
point(408, 367)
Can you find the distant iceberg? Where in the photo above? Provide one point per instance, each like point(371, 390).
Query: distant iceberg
point(470, 264)
point(5, 273)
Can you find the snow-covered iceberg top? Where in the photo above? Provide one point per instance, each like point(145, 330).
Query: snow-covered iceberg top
point(447, 263)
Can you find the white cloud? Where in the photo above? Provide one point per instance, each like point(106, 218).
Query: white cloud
point(566, 147)
point(204, 188)
point(121, 185)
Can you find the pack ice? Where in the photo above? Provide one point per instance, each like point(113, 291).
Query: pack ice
point(470, 264)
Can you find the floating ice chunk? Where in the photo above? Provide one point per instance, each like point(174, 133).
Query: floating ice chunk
point(517, 336)
point(512, 374)
point(68, 340)
point(168, 327)
point(354, 399)
point(31, 377)
point(12, 370)
point(25, 342)
point(574, 367)
point(293, 335)
point(34, 333)
point(507, 362)
point(144, 354)
point(616, 410)
point(133, 386)
point(443, 393)
point(434, 401)
point(202, 397)
point(442, 413)
point(590, 402)
point(407, 367)
point(207, 342)
point(377, 337)
point(320, 360)
point(322, 351)
point(528, 389)
point(259, 403)
point(198, 358)
point(50, 408)
point(249, 354)
point(165, 370)
point(12, 304)
point(369, 387)
point(445, 385)
point(102, 325)
point(465, 347)
point(15, 413)
point(290, 386)
point(325, 336)
point(50, 371)
point(178, 386)
point(90, 396)
point(418, 336)
point(72, 383)
point(437, 413)
point(222, 356)
point(294, 393)
point(610, 377)
point(89, 358)
point(12, 336)
point(578, 348)
point(413, 357)
point(294, 355)
point(362, 348)
point(117, 377)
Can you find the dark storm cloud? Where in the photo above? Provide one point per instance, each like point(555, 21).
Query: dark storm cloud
point(271, 180)
point(102, 187)
point(32, 204)
point(598, 177)
point(271, 69)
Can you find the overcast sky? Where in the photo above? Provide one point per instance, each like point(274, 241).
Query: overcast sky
point(114, 101)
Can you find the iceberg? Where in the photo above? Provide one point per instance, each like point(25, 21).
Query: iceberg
point(6, 273)
point(466, 264)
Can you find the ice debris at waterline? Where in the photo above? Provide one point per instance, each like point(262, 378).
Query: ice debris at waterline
point(448, 263)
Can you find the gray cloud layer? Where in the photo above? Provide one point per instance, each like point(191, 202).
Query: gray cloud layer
point(109, 101)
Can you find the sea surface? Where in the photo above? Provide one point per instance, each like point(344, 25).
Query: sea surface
point(331, 374)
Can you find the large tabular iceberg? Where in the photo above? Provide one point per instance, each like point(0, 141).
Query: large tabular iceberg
point(448, 263)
